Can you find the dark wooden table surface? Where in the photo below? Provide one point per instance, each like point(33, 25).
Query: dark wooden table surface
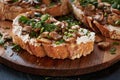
point(111, 73)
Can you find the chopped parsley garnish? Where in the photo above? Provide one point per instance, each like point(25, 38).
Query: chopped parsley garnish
point(72, 30)
point(16, 47)
point(33, 34)
point(117, 22)
point(42, 29)
point(37, 6)
point(86, 2)
point(45, 17)
point(1, 35)
point(70, 19)
point(115, 43)
point(23, 19)
point(113, 50)
point(59, 42)
point(15, 0)
point(1, 40)
point(67, 34)
point(38, 25)
point(87, 34)
point(105, 14)
point(49, 27)
point(30, 22)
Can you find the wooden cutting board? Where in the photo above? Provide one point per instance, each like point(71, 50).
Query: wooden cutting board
point(24, 62)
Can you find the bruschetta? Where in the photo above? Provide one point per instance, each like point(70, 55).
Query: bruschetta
point(99, 16)
point(9, 9)
point(42, 35)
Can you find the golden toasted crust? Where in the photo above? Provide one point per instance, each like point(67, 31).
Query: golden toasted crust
point(78, 50)
point(71, 51)
point(59, 52)
point(33, 50)
point(63, 51)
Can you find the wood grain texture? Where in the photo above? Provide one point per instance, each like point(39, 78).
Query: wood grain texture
point(24, 62)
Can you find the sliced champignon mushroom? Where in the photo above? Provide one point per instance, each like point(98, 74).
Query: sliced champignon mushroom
point(102, 28)
point(91, 7)
point(100, 5)
point(107, 9)
point(116, 11)
point(112, 18)
point(36, 29)
point(62, 24)
point(75, 27)
point(44, 40)
point(54, 35)
point(104, 6)
point(31, 15)
point(89, 10)
point(44, 34)
point(50, 20)
point(70, 40)
point(99, 16)
point(26, 30)
point(107, 4)
point(104, 45)
point(78, 34)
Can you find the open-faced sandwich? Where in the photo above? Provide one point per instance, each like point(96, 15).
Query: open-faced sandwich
point(43, 35)
point(9, 9)
point(102, 16)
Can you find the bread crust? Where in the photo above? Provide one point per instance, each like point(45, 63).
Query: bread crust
point(33, 50)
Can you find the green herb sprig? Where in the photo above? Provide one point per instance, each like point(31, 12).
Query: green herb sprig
point(59, 42)
point(113, 50)
point(1, 40)
point(16, 47)
point(86, 2)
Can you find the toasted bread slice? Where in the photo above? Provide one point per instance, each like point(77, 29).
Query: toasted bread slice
point(9, 10)
point(54, 46)
point(24, 41)
point(104, 21)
